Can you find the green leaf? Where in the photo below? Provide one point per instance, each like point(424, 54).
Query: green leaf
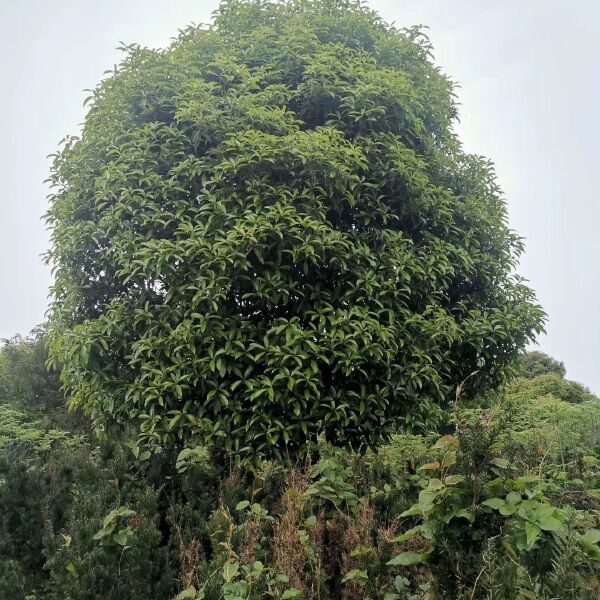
point(453, 479)
point(433, 466)
point(412, 511)
point(514, 498)
point(407, 535)
point(401, 583)
point(592, 536)
point(532, 532)
point(501, 463)
point(445, 442)
point(230, 571)
point(355, 574)
point(258, 567)
point(495, 503)
point(408, 558)
point(549, 523)
point(121, 537)
point(187, 593)
point(310, 521)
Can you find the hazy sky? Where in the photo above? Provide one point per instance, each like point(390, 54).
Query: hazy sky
point(530, 98)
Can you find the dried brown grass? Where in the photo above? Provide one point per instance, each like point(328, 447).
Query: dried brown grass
point(357, 546)
point(289, 550)
point(191, 554)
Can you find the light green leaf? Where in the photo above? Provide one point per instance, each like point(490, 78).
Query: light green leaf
point(532, 531)
point(122, 537)
point(355, 574)
point(592, 536)
point(548, 523)
point(408, 558)
point(187, 593)
point(310, 521)
point(495, 503)
point(230, 571)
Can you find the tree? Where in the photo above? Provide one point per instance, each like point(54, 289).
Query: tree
point(24, 379)
point(546, 376)
point(533, 364)
point(269, 231)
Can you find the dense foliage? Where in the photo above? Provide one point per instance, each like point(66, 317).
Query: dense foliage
point(504, 506)
point(269, 232)
point(268, 240)
point(547, 377)
point(534, 363)
point(24, 379)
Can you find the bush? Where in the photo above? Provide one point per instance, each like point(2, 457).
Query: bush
point(551, 384)
point(131, 561)
point(35, 480)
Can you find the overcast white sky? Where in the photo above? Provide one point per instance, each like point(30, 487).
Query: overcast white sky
point(528, 69)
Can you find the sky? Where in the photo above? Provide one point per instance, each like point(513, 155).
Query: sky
point(529, 92)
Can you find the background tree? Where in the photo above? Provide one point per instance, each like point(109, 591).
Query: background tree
point(533, 364)
point(543, 375)
point(24, 379)
point(269, 231)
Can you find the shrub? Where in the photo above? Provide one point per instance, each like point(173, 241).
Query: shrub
point(34, 489)
point(130, 562)
point(551, 384)
point(485, 532)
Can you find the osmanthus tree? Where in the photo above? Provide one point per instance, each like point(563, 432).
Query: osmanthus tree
point(269, 231)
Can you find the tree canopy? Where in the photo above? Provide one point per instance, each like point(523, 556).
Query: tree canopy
point(269, 231)
point(532, 364)
point(24, 380)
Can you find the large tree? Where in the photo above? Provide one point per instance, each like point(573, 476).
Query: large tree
point(269, 231)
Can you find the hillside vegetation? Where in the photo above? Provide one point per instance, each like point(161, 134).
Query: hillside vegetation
point(504, 504)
